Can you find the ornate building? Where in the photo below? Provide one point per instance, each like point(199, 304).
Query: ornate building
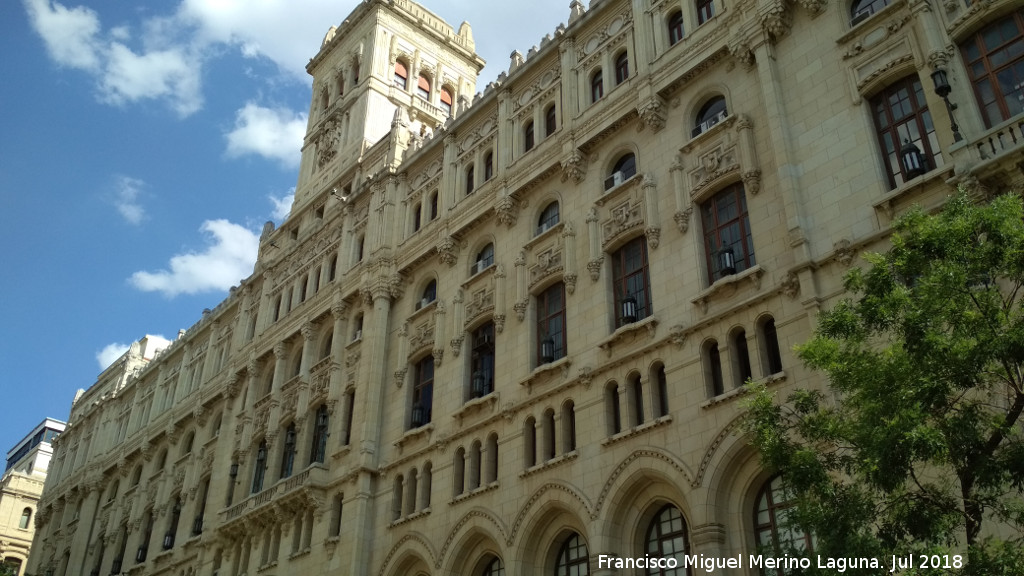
point(20, 489)
point(505, 332)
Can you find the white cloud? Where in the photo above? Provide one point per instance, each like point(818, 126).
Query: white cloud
point(126, 199)
point(170, 74)
point(110, 353)
point(282, 205)
point(274, 133)
point(70, 35)
point(229, 256)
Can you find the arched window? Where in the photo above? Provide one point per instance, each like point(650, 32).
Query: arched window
point(357, 328)
point(995, 65)
point(659, 385)
point(433, 205)
point(136, 476)
point(475, 475)
point(768, 339)
point(711, 113)
point(401, 75)
point(675, 27)
point(26, 517)
point(568, 427)
point(621, 68)
point(861, 9)
point(318, 450)
point(624, 169)
point(530, 442)
point(341, 84)
point(902, 118)
point(728, 242)
point(772, 523)
point(705, 10)
point(548, 218)
point(260, 469)
point(491, 464)
point(396, 499)
point(417, 218)
point(484, 259)
point(459, 472)
point(528, 136)
point(573, 558)
point(494, 568)
point(666, 538)
point(596, 86)
point(550, 446)
point(470, 179)
point(446, 100)
point(550, 120)
point(423, 88)
point(488, 165)
point(713, 369)
point(741, 357)
point(425, 485)
point(288, 456)
point(429, 294)
point(613, 410)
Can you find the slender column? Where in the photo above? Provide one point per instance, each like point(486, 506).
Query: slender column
point(83, 534)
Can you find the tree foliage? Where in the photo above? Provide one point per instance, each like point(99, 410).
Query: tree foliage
point(917, 444)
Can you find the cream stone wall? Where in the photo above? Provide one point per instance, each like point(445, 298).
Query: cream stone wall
point(160, 470)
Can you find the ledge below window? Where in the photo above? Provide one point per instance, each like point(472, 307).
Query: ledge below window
point(549, 463)
point(411, 517)
point(480, 490)
point(650, 324)
point(742, 390)
point(415, 434)
point(728, 286)
point(562, 364)
point(887, 203)
point(476, 405)
point(634, 431)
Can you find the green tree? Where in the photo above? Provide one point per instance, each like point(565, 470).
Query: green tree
point(917, 444)
point(6, 569)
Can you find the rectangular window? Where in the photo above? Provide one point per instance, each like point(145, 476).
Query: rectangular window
point(482, 361)
point(630, 278)
point(705, 10)
point(994, 58)
point(423, 392)
point(551, 343)
point(728, 245)
point(901, 117)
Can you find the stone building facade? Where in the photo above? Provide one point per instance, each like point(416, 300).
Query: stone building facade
point(505, 332)
point(20, 488)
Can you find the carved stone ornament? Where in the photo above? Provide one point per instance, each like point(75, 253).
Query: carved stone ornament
point(740, 50)
point(652, 113)
point(574, 167)
point(400, 377)
point(438, 354)
point(447, 250)
point(752, 181)
point(520, 309)
point(653, 236)
point(682, 219)
point(499, 323)
point(815, 7)
point(570, 283)
point(327, 144)
point(791, 285)
point(594, 267)
point(677, 335)
point(844, 253)
point(507, 210)
point(456, 344)
point(586, 377)
point(776, 22)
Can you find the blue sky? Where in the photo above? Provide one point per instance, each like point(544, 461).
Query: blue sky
point(142, 146)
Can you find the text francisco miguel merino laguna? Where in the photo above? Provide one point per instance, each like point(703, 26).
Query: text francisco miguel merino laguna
point(710, 563)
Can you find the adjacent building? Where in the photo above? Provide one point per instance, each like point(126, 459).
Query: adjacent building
point(20, 489)
point(505, 331)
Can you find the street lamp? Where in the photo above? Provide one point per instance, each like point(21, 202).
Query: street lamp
point(628, 310)
point(912, 159)
point(942, 88)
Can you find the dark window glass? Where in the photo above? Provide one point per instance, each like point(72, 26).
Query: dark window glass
point(901, 116)
point(288, 457)
point(775, 534)
point(423, 391)
point(470, 179)
point(630, 277)
point(861, 9)
point(596, 86)
point(675, 28)
point(550, 121)
point(713, 112)
point(482, 361)
point(666, 538)
point(401, 75)
point(622, 68)
point(727, 229)
point(995, 63)
point(705, 10)
point(488, 166)
point(318, 451)
point(573, 558)
point(548, 217)
point(260, 469)
point(528, 137)
point(551, 321)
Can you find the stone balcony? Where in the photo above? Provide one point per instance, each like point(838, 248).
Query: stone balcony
point(295, 492)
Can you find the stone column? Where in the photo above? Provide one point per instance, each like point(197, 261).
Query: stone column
point(83, 533)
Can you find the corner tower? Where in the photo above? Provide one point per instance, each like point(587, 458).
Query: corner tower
point(388, 55)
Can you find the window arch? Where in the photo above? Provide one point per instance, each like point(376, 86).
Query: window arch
point(528, 136)
point(994, 72)
point(429, 294)
point(321, 426)
point(401, 75)
point(675, 27)
point(728, 241)
point(484, 258)
point(713, 369)
point(861, 9)
point(623, 169)
point(422, 392)
point(613, 409)
point(550, 120)
point(596, 86)
point(260, 469)
point(423, 87)
point(772, 522)
point(494, 568)
point(573, 558)
point(341, 84)
point(659, 389)
point(667, 538)
point(551, 329)
point(631, 282)
point(740, 357)
point(433, 205)
point(768, 344)
point(568, 422)
point(417, 217)
point(491, 463)
point(482, 361)
point(712, 112)
point(488, 165)
point(530, 442)
point(288, 454)
point(548, 217)
point(621, 67)
point(26, 517)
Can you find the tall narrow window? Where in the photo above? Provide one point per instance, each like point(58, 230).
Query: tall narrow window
point(401, 75)
point(491, 471)
point(417, 218)
point(632, 285)
point(636, 394)
point(260, 469)
point(568, 431)
point(995, 63)
point(528, 136)
point(396, 499)
point(350, 407)
point(705, 10)
point(423, 88)
point(713, 369)
point(551, 324)
point(728, 244)
point(741, 357)
point(482, 361)
point(26, 518)
point(901, 118)
point(768, 340)
point(459, 472)
point(711, 113)
point(621, 68)
point(488, 165)
point(423, 392)
point(772, 522)
point(288, 456)
point(548, 218)
point(675, 28)
point(318, 451)
point(426, 481)
point(484, 259)
point(446, 101)
point(659, 383)
point(336, 510)
point(550, 120)
point(666, 538)
point(433, 205)
point(470, 180)
point(530, 442)
point(573, 558)
point(550, 446)
point(613, 410)
point(596, 86)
